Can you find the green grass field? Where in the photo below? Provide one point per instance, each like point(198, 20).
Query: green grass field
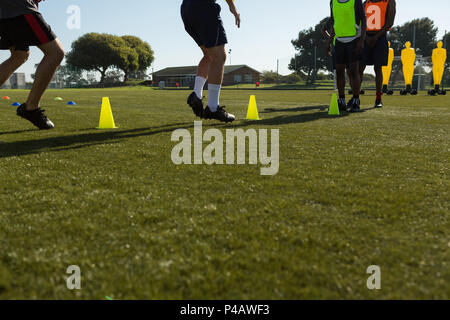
point(352, 191)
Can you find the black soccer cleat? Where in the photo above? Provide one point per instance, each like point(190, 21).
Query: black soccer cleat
point(350, 103)
point(220, 115)
point(196, 104)
point(36, 117)
point(378, 104)
point(355, 107)
point(342, 104)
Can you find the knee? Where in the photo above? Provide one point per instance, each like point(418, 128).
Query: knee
point(20, 57)
point(57, 55)
point(353, 70)
point(340, 69)
point(219, 56)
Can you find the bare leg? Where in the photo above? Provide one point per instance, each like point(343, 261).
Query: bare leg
point(53, 55)
point(356, 85)
point(203, 67)
point(8, 67)
point(362, 69)
point(350, 77)
point(217, 56)
point(379, 78)
point(340, 73)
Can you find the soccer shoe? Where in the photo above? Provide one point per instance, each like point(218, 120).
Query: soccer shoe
point(378, 104)
point(342, 104)
point(196, 104)
point(350, 103)
point(355, 107)
point(220, 115)
point(36, 117)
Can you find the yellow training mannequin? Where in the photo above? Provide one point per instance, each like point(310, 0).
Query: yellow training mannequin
point(387, 70)
point(439, 59)
point(408, 60)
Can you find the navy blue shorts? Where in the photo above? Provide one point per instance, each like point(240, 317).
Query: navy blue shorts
point(377, 55)
point(203, 22)
point(345, 53)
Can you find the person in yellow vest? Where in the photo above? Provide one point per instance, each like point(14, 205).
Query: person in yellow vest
point(408, 61)
point(387, 71)
point(380, 19)
point(439, 58)
point(349, 25)
point(328, 33)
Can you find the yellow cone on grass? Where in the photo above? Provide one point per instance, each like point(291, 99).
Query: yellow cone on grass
point(106, 116)
point(252, 113)
point(334, 107)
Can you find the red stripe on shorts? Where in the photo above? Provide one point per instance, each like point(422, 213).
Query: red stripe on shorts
point(37, 28)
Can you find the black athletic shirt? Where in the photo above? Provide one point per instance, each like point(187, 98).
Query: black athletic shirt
point(15, 8)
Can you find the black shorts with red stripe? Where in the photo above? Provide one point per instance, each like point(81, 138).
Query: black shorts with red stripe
point(21, 32)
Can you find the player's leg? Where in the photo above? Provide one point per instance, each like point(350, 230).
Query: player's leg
point(218, 57)
point(351, 78)
point(214, 39)
point(380, 59)
point(353, 60)
point(341, 65)
point(340, 77)
point(192, 14)
point(9, 66)
point(32, 30)
point(53, 56)
point(356, 86)
point(202, 73)
point(195, 98)
point(379, 84)
point(362, 69)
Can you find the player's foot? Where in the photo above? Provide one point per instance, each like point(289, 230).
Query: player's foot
point(220, 115)
point(378, 104)
point(350, 103)
point(356, 106)
point(36, 117)
point(196, 104)
point(342, 104)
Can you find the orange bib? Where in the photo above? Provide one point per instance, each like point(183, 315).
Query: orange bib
point(376, 14)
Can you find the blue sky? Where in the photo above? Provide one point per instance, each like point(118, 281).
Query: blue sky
point(265, 35)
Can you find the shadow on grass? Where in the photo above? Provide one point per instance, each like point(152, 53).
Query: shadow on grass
point(16, 131)
point(295, 118)
point(89, 138)
point(297, 109)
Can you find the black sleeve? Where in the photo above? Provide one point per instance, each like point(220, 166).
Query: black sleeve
point(360, 12)
point(331, 11)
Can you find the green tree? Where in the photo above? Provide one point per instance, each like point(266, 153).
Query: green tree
point(311, 54)
point(100, 52)
point(69, 75)
point(145, 56)
point(269, 77)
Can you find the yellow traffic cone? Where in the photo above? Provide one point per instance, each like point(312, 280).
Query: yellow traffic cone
point(106, 116)
point(252, 113)
point(334, 107)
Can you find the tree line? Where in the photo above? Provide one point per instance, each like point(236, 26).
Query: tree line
point(112, 58)
point(312, 58)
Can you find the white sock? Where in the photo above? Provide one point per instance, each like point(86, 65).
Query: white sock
point(199, 84)
point(213, 96)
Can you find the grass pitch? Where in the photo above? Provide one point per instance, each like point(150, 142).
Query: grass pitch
point(352, 191)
